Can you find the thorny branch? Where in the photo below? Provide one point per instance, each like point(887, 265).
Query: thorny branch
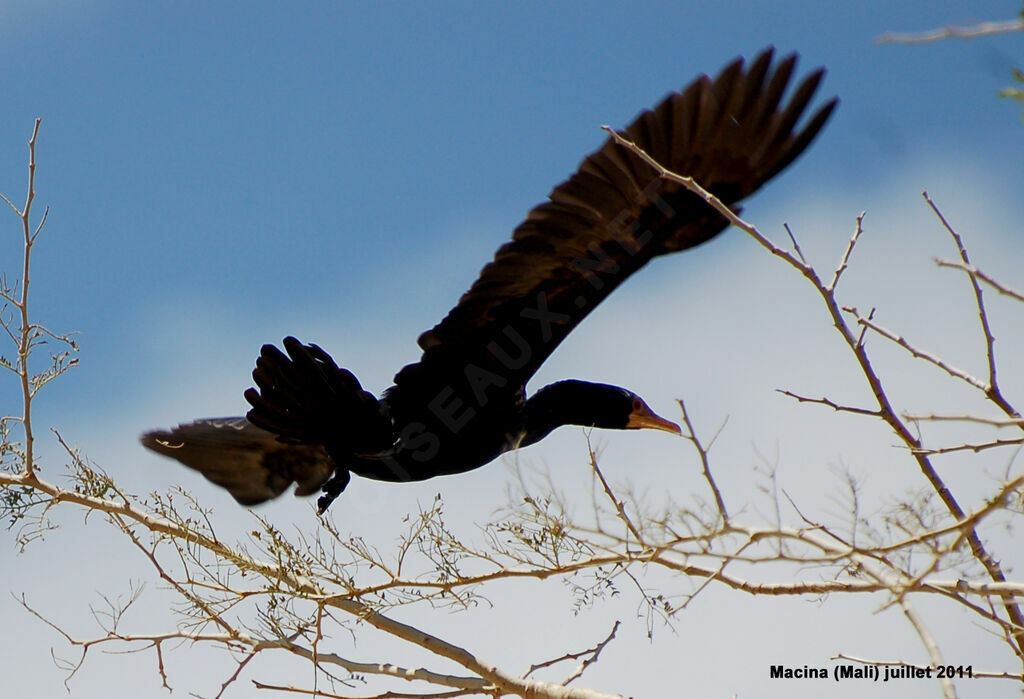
point(992, 391)
point(25, 335)
point(885, 410)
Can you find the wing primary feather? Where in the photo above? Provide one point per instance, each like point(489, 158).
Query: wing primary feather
point(754, 82)
point(770, 97)
point(783, 125)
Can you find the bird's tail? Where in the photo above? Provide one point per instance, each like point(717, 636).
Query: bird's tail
point(308, 419)
point(249, 462)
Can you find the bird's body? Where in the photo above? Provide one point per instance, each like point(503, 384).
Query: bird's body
point(464, 403)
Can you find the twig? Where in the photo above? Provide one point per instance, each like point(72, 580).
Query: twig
point(796, 244)
point(993, 393)
point(917, 352)
point(386, 695)
point(993, 421)
point(975, 272)
point(593, 654)
point(829, 403)
point(702, 452)
point(969, 32)
point(620, 507)
point(845, 259)
point(994, 444)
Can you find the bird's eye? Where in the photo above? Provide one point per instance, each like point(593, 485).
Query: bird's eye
point(637, 404)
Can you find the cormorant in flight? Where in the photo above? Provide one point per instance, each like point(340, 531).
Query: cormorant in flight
point(464, 402)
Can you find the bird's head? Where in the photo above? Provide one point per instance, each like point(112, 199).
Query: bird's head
point(640, 416)
point(588, 404)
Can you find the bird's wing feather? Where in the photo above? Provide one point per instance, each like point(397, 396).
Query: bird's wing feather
point(250, 463)
point(731, 134)
point(305, 398)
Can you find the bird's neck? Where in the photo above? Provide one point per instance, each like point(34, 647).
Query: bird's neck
point(569, 402)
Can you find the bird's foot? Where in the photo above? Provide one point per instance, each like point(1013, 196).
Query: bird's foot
point(332, 489)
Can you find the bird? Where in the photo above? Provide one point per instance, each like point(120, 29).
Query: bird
point(464, 402)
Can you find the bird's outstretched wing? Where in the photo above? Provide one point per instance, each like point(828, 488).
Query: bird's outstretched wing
point(731, 134)
point(250, 463)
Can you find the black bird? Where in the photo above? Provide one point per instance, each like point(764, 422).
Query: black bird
point(464, 402)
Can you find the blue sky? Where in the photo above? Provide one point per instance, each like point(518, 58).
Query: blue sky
point(223, 174)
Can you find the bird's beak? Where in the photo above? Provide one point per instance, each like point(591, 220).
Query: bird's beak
point(644, 418)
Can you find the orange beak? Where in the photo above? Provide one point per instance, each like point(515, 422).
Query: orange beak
point(643, 417)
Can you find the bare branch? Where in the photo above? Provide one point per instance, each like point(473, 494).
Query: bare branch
point(616, 502)
point(845, 259)
point(994, 421)
point(385, 695)
point(994, 393)
point(796, 244)
point(969, 32)
point(934, 654)
point(26, 333)
point(915, 351)
point(702, 452)
point(994, 444)
point(830, 403)
point(977, 273)
point(589, 656)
